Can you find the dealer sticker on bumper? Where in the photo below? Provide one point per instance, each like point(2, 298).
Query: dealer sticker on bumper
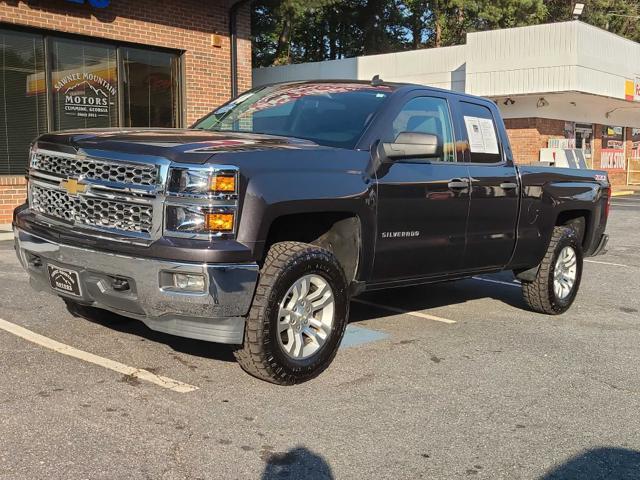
point(64, 280)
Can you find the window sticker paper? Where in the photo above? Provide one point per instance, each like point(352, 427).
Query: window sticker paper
point(482, 135)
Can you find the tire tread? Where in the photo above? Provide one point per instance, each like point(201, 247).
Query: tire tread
point(252, 357)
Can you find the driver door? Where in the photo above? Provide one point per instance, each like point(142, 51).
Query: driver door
point(423, 204)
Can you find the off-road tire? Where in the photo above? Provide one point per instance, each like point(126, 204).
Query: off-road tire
point(261, 354)
point(539, 294)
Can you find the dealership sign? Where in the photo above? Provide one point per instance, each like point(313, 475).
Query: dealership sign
point(86, 94)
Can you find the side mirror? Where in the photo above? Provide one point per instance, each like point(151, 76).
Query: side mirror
point(414, 145)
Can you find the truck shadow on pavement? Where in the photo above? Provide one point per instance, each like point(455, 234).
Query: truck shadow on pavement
point(298, 462)
point(599, 464)
point(437, 295)
point(199, 348)
point(417, 298)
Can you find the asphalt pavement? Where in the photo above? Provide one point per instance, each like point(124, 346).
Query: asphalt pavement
point(448, 381)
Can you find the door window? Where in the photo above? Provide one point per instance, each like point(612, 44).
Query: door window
point(428, 115)
point(23, 98)
point(482, 134)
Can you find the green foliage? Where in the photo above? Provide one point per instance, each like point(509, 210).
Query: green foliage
point(293, 31)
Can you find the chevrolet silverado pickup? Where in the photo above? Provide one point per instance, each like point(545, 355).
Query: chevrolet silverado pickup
point(257, 225)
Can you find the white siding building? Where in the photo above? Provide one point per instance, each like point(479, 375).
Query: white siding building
point(557, 85)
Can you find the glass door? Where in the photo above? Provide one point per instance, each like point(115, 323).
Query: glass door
point(584, 140)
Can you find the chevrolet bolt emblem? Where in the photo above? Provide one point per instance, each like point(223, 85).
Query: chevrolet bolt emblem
point(73, 187)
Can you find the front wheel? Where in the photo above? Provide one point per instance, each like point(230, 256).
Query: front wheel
point(558, 279)
point(298, 316)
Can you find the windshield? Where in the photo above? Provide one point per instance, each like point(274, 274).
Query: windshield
point(331, 114)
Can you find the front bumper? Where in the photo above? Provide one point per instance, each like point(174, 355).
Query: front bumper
point(216, 316)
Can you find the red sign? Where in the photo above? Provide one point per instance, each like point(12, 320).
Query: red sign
point(612, 159)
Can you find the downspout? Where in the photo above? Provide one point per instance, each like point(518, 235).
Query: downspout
point(233, 33)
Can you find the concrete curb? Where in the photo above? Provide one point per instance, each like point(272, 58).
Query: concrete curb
point(621, 193)
point(6, 232)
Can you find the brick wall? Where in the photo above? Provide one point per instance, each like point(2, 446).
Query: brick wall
point(13, 192)
point(186, 25)
point(529, 135)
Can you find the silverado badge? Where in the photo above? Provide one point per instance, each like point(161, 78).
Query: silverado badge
point(73, 187)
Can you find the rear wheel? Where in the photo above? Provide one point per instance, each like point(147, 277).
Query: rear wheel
point(558, 278)
point(298, 316)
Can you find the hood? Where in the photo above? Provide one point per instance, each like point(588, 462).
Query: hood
point(178, 145)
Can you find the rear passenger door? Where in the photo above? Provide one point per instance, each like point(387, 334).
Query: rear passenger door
point(493, 210)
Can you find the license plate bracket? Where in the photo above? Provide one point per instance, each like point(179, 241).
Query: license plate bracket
point(64, 280)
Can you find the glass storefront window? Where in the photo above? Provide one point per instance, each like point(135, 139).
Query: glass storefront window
point(84, 80)
point(61, 83)
point(149, 82)
point(23, 102)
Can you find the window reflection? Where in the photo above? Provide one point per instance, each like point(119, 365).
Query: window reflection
point(150, 88)
point(23, 104)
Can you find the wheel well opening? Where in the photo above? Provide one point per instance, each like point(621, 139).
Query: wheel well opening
point(338, 232)
point(579, 220)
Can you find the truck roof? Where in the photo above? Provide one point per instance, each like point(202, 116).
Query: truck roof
point(395, 86)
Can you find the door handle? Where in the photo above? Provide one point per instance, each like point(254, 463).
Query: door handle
point(458, 183)
point(508, 185)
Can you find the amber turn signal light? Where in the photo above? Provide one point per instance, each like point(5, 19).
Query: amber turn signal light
point(223, 184)
point(219, 222)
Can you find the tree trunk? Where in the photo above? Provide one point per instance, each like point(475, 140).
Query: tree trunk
point(371, 37)
point(283, 51)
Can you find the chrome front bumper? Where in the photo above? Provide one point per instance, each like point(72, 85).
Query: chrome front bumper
point(216, 316)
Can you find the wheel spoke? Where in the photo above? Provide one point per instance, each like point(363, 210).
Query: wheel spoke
point(284, 324)
point(321, 329)
point(299, 344)
point(303, 285)
point(294, 298)
point(322, 302)
point(313, 335)
point(319, 292)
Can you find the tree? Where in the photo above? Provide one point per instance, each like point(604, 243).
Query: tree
point(291, 31)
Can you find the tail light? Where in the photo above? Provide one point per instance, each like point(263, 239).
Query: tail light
point(608, 205)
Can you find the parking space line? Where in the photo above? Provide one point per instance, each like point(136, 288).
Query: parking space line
point(490, 280)
point(137, 373)
point(608, 263)
point(404, 312)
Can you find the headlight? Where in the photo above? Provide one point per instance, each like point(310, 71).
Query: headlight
point(202, 201)
point(199, 220)
point(199, 182)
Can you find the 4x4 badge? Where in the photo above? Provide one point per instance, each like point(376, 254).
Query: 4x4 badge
point(73, 187)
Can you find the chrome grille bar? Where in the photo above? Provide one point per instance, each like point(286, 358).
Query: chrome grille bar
point(92, 212)
point(67, 165)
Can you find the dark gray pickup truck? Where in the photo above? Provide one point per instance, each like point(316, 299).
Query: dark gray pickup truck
point(256, 226)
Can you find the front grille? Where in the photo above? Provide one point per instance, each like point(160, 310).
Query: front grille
point(82, 210)
point(92, 169)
